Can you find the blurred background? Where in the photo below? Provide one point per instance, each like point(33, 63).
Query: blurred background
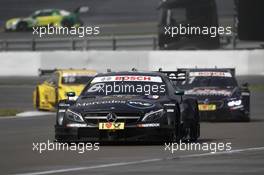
point(138, 25)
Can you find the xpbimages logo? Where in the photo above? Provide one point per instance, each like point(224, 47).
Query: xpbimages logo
point(121, 88)
point(211, 147)
point(80, 147)
point(212, 32)
point(59, 30)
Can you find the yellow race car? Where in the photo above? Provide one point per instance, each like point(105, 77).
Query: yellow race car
point(45, 17)
point(47, 94)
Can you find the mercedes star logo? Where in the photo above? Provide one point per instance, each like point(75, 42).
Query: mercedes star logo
point(206, 101)
point(111, 117)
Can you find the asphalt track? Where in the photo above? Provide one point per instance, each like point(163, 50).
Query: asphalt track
point(18, 134)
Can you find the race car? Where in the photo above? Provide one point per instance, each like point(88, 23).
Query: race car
point(47, 95)
point(45, 17)
point(128, 106)
point(218, 94)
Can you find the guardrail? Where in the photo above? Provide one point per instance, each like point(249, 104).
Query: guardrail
point(148, 42)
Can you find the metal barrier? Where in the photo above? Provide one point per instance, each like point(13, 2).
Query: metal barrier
point(146, 42)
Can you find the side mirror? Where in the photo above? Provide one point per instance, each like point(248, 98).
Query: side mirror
point(82, 9)
point(179, 92)
point(70, 94)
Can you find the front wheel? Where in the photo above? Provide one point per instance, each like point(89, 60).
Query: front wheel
point(195, 125)
point(67, 23)
point(37, 99)
point(22, 26)
point(194, 131)
point(191, 120)
point(175, 135)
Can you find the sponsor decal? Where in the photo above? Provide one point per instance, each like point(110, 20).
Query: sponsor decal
point(140, 104)
point(170, 110)
point(210, 74)
point(170, 104)
point(148, 125)
point(112, 126)
point(155, 79)
point(76, 125)
point(219, 92)
point(78, 74)
point(97, 88)
point(100, 103)
point(64, 105)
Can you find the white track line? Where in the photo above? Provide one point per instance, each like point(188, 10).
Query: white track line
point(28, 114)
point(34, 113)
point(21, 117)
point(140, 161)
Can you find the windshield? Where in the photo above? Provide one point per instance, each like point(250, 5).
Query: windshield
point(75, 79)
point(208, 79)
point(126, 85)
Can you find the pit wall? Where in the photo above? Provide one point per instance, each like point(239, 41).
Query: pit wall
point(246, 62)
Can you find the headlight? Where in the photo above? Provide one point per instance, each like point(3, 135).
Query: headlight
point(60, 116)
point(153, 115)
point(73, 116)
point(234, 103)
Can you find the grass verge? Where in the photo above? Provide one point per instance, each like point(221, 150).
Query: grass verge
point(257, 88)
point(9, 112)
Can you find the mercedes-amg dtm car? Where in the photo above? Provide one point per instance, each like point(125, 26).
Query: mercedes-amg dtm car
point(218, 94)
point(128, 106)
point(47, 94)
point(45, 17)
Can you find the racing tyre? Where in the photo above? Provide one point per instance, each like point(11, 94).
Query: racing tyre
point(176, 134)
point(22, 26)
point(195, 126)
point(194, 132)
point(191, 121)
point(37, 98)
point(67, 23)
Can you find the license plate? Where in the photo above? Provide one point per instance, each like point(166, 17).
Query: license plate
point(111, 126)
point(204, 107)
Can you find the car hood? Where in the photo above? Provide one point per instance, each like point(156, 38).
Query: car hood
point(210, 92)
point(127, 103)
point(13, 20)
point(16, 20)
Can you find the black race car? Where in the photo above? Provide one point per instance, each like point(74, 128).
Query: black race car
point(218, 94)
point(128, 106)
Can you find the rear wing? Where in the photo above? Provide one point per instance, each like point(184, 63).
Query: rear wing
point(175, 75)
point(43, 72)
point(187, 70)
